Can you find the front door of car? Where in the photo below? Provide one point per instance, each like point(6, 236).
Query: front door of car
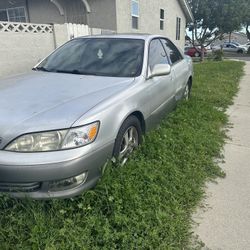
point(160, 89)
point(179, 67)
point(230, 48)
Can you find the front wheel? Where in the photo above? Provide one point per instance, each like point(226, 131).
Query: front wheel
point(196, 54)
point(128, 139)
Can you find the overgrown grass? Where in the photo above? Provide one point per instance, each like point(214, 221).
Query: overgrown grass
point(148, 203)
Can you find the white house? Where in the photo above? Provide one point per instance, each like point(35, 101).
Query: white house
point(166, 17)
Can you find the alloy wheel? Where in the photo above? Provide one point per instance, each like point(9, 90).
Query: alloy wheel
point(130, 141)
point(186, 92)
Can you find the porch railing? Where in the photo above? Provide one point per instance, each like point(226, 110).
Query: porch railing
point(25, 27)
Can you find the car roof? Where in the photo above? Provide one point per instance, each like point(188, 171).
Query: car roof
point(143, 36)
point(234, 43)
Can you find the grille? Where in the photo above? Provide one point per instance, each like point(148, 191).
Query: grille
point(19, 187)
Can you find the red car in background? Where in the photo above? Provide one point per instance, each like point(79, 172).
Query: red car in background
point(193, 51)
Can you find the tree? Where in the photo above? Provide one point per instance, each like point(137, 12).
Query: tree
point(246, 17)
point(231, 17)
point(213, 18)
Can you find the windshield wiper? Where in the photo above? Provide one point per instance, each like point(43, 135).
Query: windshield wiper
point(41, 69)
point(75, 71)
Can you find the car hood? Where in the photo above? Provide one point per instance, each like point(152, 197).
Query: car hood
point(44, 101)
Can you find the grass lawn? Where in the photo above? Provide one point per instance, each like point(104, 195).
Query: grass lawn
point(148, 203)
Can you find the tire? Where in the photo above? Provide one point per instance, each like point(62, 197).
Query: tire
point(128, 138)
point(240, 51)
point(187, 90)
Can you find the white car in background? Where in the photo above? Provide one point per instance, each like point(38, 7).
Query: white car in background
point(232, 47)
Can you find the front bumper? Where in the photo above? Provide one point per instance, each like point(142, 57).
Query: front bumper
point(32, 172)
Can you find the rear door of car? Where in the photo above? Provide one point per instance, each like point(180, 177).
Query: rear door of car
point(179, 67)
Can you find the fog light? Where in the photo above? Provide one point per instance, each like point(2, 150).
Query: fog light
point(66, 184)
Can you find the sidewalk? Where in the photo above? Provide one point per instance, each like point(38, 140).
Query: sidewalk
point(225, 224)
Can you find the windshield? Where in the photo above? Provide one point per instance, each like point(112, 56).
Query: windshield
point(97, 56)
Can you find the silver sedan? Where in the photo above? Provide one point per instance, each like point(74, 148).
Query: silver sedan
point(89, 101)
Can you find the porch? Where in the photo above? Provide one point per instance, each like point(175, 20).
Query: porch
point(45, 11)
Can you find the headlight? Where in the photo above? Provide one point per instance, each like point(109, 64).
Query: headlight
point(55, 140)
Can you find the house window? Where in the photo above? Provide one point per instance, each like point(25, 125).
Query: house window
point(162, 17)
point(17, 14)
point(135, 14)
point(178, 28)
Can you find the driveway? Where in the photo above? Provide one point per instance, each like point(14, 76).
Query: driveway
point(225, 223)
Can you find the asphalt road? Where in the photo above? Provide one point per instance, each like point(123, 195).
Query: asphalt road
point(244, 57)
point(224, 224)
point(247, 59)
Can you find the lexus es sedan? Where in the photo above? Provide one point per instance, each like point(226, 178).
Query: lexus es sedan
point(89, 101)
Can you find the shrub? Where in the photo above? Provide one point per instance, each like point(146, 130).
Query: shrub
point(218, 55)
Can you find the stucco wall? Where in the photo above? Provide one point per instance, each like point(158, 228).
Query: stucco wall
point(103, 14)
point(149, 20)
point(22, 45)
point(20, 51)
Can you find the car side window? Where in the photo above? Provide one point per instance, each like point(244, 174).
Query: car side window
point(157, 54)
point(172, 51)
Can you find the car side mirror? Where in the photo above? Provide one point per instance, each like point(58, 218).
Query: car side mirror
point(160, 70)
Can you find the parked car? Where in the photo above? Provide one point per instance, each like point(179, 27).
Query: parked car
point(247, 45)
point(194, 51)
point(89, 101)
point(231, 47)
